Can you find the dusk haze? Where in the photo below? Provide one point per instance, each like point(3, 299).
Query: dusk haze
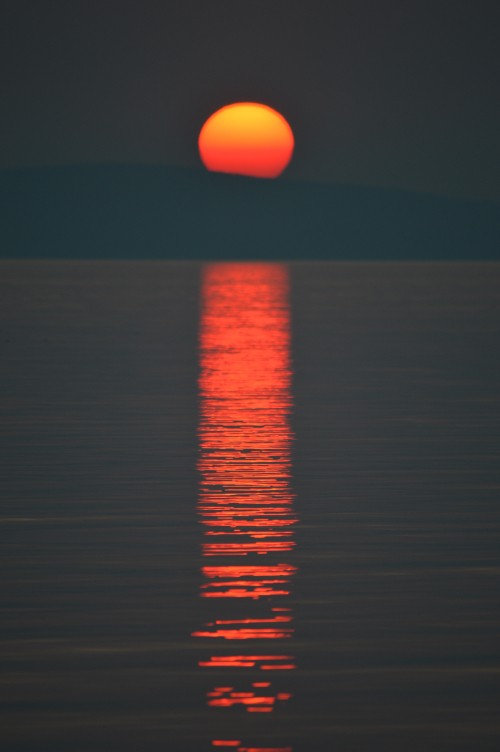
point(250, 275)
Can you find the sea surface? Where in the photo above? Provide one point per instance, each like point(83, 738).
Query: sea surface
point(249, 507)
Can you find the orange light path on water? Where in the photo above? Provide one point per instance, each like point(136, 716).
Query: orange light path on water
point(245, 501)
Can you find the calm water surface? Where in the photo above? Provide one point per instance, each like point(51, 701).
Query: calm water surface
point(249, 506)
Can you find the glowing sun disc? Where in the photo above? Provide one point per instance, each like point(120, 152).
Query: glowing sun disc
point(246, 138)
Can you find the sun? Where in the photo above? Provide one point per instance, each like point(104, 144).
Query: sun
point(246, 138)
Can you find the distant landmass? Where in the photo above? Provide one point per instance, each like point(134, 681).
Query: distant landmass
point(146, 212)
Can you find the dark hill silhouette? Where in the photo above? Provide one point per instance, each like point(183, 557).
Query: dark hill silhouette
point(174, 213)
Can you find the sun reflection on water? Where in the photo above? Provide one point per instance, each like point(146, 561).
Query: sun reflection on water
point(245, 499)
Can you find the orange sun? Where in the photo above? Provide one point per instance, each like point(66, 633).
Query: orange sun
point(246, 138)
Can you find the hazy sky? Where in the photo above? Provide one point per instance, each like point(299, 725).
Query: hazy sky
point(383, 92)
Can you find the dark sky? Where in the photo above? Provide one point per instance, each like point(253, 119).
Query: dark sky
point(378, 92)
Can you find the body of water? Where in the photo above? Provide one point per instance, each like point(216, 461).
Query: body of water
point(250, 506)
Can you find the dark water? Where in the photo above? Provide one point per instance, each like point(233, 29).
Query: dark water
point(315, 444)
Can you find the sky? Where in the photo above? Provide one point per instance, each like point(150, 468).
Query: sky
point(378, 92)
